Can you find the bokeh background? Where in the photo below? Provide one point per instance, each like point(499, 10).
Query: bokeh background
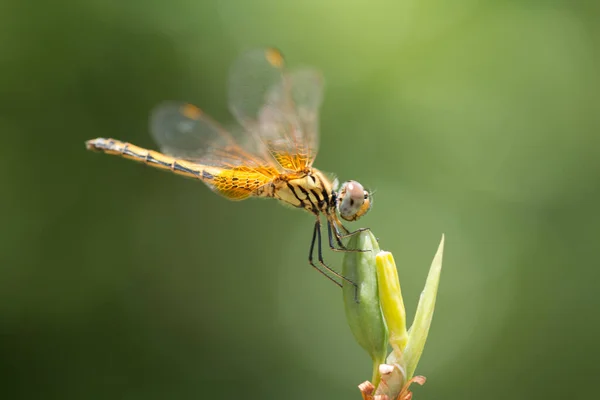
point(475, 119)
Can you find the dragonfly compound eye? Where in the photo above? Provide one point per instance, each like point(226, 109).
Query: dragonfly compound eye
point(354, 201)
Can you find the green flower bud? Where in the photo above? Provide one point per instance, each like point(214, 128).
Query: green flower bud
point(363, 310)
point(393, 378)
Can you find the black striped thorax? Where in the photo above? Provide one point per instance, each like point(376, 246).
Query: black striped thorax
point(311, 191)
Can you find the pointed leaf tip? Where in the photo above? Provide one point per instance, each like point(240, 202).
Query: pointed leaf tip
point(419, 330)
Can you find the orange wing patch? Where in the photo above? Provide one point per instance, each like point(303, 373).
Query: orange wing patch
point(274, 57)
point(291, 162)
point(241, 182)
point(191, 111)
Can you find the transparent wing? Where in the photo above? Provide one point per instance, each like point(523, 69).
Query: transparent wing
point(182, 130)
point(232, 166)
point(280, 106)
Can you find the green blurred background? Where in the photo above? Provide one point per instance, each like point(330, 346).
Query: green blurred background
point(476, 119)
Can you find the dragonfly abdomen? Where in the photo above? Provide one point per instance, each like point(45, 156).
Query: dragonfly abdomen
point(150, 157)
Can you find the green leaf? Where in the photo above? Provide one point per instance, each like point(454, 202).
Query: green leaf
point(417, 335)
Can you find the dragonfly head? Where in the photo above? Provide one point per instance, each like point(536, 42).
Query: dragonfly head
point(353, 201)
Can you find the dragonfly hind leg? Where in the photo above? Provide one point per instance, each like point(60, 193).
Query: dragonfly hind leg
point(316, 237)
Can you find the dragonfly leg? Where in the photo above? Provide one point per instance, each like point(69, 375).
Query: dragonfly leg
point(337, 225)
point(317, 238)
point(311, 252)
point(341, 246)
point(339, 236)
point(348, 234)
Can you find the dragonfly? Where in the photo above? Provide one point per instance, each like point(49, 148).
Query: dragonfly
point(269, 155)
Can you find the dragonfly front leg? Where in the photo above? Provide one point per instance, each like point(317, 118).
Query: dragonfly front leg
point(348, 234)
point(332, 226)
point(337, 239)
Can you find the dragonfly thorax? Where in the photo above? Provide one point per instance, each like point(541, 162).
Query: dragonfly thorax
point(311, 191)
point(315, 193)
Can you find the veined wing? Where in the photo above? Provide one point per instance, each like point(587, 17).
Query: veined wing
point(280, 106)
point(232, 167)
